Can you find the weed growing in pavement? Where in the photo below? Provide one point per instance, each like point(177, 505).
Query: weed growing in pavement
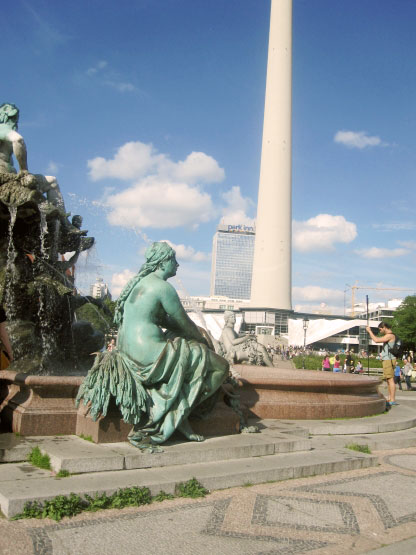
point(37, 459)
point(71, 505)
point(87, 438)
point(162, 495)
point(360, 448)
point(63, 474)
point(191, 488)
point(55, 508)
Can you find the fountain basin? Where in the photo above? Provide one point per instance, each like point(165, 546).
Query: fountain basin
point(306, 394)
point(38, 405)
point(45, 405)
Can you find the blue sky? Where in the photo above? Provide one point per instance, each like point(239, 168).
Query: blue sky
point(150, 114)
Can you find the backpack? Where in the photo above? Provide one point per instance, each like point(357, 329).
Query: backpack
point(397, 348)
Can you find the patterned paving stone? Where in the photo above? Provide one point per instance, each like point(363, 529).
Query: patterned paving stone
point(194, 529)
point(406, 461)
point(392, 495)
point(305, 514)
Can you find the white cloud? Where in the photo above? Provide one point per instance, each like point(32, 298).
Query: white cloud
point(165, 193)
point(119, 280)
point(159, 205)
point(98, 67)
point(408, 244)
point(132, 160)
point(236, 208)
point(321, 308)
point(316, 293)
point(357, 139)
point(375, 252)
point(395, 226)
point(322, 232)
point(188, 254)
point(109, 77)
point(135, 160)
point(199, 168)
point(120, 86)
point(52, 168)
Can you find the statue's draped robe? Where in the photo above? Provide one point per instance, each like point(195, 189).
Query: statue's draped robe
point(155, 398)
point(176, 385)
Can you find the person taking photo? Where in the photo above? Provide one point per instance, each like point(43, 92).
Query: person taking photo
point(388, 339)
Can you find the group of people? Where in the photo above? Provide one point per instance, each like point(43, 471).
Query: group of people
point(288, 352)
point(333, 363)
point(403, 373)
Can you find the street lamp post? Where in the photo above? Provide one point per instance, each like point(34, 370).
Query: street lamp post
point(305, 327)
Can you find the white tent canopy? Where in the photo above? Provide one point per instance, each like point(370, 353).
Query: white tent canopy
point(320, 329)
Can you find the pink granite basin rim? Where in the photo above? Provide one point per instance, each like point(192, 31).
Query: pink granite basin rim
point(29, 379)
point(282, 378)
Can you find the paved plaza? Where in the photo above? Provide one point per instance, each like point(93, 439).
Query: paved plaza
point(348, 512)
point(356, 511)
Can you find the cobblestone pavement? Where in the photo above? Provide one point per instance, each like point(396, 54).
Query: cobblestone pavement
point(350, 512)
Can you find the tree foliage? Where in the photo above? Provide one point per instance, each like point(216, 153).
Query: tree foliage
point(100, 318)
point(404, 322)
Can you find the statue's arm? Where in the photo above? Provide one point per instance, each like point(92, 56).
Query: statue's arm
point(176, 317)
point(233, 338)
point(19, 148)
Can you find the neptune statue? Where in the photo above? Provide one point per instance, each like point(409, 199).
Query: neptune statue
point(164, 368)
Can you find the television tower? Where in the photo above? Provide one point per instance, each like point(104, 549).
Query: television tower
point(272, 265)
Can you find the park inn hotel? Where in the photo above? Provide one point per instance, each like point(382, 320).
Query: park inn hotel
point(232, 261)
point(231, 272)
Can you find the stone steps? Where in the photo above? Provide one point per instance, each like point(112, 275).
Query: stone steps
point(20, 483)
point(400, 417)
point(76, 455)
point(376, 442)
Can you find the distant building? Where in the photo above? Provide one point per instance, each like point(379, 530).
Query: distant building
point(232, 261)
point(192, 303)
point(99, 290)
point(376, 311)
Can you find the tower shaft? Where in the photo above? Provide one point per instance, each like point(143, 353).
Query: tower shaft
point(271, 282)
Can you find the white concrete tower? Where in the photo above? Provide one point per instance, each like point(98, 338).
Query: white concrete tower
point(272, 266)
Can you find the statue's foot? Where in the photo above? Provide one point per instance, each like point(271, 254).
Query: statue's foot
point(145, 445)
point(187, 431)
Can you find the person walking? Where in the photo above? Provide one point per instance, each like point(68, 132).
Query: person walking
point(407, 372)
point(398, 375)
point(388, 339)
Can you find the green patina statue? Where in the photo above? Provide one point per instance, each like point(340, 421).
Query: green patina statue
point(241, 349)
point(158, 378)
point(36, 279)
point(11, 142)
